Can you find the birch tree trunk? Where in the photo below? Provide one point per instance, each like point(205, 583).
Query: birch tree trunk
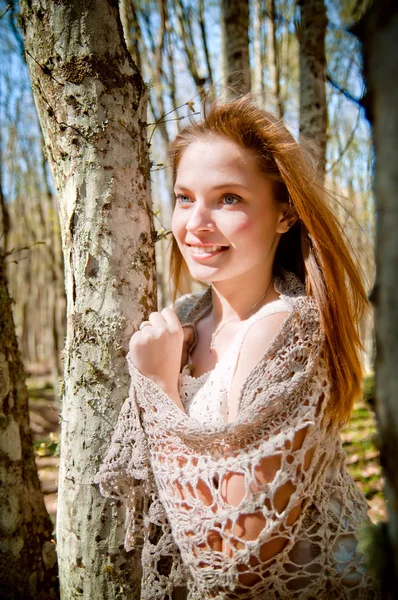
point(28, 560)
point(313, 108)
point(91, 103)
point(378, 31)
point(235, 40)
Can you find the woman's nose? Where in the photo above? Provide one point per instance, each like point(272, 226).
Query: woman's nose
point(200, 219)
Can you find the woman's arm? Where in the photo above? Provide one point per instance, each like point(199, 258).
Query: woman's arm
point(156, 351)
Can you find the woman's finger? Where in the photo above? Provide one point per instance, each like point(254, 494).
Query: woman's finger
point(156, 320)
point(189, 335)
point(171, 319)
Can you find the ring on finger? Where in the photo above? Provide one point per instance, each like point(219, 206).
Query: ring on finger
point(145, 324)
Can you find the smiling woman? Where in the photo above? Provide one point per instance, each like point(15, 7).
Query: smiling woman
point(227, 204)
point(228, 449)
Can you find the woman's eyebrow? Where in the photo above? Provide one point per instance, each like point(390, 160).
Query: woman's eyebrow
point(230, 184)
point(220, 186)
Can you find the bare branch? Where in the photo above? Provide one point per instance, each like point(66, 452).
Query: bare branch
point(6, 11)
point(347, 145)
point(189, 104)
point(344, 91)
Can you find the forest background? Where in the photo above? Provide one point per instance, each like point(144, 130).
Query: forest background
point(179, 48)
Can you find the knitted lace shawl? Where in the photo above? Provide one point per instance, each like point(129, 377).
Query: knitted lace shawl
point(160, 457)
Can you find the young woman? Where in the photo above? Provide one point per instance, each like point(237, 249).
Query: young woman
point(228, 449)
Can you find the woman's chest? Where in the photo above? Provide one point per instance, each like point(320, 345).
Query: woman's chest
point(205, 356)
point(205, 398)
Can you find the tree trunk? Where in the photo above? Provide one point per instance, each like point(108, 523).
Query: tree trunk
point(4, 217)
point(28, 560)
point(258, 52)
point(378, 31)
point(273, 61)
point(202, 26)
point(189, 43)
point(91, 103)
point(235, 40)
point(313, 108)
point(158, 72)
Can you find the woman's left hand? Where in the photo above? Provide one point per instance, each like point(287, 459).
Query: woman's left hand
point(156, 350)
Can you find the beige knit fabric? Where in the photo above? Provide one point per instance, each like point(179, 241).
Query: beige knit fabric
point(170, 469)
point(206, 398)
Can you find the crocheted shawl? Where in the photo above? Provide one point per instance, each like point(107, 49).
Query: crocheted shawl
point(160, 460)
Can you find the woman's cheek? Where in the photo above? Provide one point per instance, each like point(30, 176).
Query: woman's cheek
point(240, 224)
point(178, 227)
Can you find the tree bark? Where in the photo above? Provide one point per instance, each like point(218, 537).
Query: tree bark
point(4, 217)
point(313, 108)
point(28, 563)
point(235, 41)
point(91, 103)
point(378, 31)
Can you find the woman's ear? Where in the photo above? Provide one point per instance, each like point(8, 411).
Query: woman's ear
point(287, 219)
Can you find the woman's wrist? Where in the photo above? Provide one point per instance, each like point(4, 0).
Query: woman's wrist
point(171, 391)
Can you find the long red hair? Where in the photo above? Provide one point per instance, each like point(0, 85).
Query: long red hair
point(314, 248)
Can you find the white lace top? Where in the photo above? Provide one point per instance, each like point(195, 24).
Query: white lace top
point(205, 398)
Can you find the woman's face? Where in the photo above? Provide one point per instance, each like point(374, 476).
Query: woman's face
point(226, 221)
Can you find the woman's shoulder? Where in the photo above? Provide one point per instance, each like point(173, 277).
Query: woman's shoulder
point(293, 294)
point(288, 328)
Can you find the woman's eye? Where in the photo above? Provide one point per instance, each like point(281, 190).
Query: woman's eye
point(229, 199)
point(182, 199)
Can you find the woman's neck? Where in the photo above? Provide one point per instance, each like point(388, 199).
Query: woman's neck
point(233, 298)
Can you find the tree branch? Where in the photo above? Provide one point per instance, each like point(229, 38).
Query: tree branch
point(6, 11)
point(344, 91)
point(347, 145)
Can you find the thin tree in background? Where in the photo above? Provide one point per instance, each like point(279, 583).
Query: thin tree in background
point(311, 32)
point(184, 15)
point(202, 25)
point(378, 31)
point(273, 61)
point(4, 212)
point(28, 562)
point(258, 52)
point(235, 42)
point(91, 103)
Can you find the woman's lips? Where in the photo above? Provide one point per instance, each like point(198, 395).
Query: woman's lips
point(206, 252)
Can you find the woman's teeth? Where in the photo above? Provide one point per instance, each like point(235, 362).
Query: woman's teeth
point(206, 249)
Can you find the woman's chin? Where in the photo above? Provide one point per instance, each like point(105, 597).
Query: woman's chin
point(203, 273)
point(206, 278)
